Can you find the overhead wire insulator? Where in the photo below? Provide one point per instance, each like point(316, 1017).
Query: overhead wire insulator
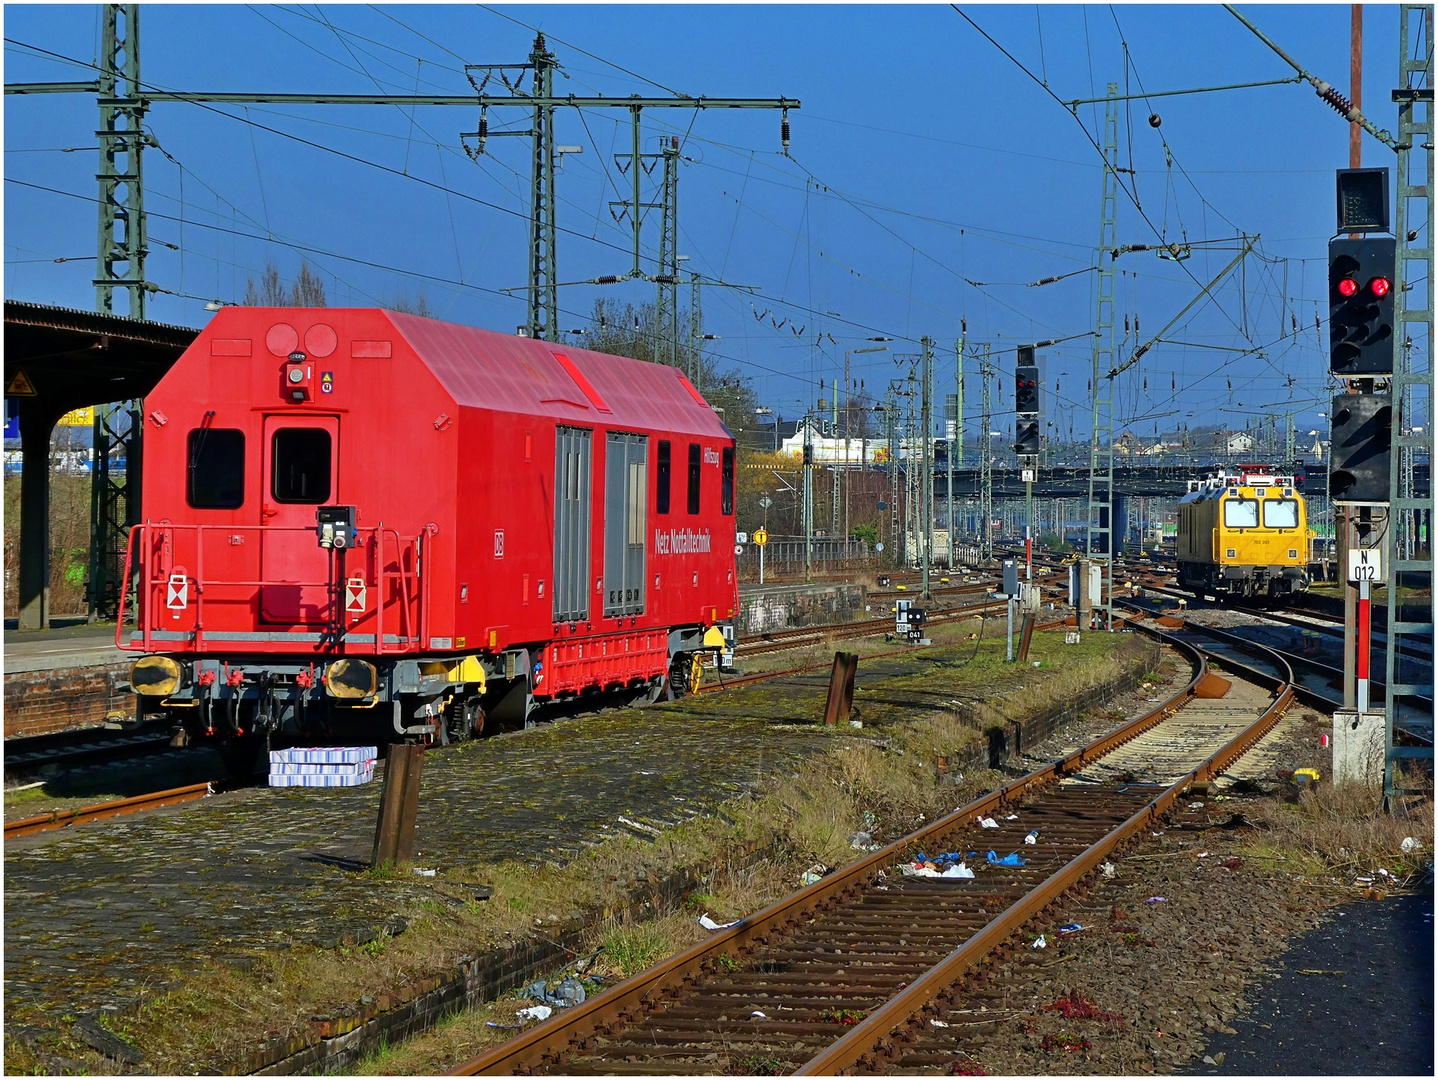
point(784, 130)
point(1330, 94)
point(483, 126)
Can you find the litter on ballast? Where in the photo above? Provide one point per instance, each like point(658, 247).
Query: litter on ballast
point(709, 924)
point(1071, 928)
point(1156, 900)
point(1108, 869)
point(757, 1015)
point(424, 873)
point(1011, 817)
point(1012, 859)
point(569, 992)
point(534, 1012)
point(813, 874)
point(958, 870)
point(988, 823)
point(1195, 806)
point(863, 841)
point(1409, 845)
point(1041, 943)
point(938, 1023)
point(1032, 838)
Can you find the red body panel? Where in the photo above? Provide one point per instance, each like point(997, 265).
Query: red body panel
point(444, 439)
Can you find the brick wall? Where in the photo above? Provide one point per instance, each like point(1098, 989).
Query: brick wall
point(787, 606)
point(39, 702)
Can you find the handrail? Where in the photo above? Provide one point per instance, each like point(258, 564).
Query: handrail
point(409, 591)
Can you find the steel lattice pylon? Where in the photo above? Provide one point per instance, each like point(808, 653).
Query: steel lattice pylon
point(543, 320)
point(667, 302)
point(115, 495)
point(1100, 484)
point(986, 458)
point(1410, 542)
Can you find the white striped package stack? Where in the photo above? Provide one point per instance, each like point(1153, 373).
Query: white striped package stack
point(322, 766)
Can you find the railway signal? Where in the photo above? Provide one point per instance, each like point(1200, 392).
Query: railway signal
point(1360, 306)
point(1026, 388)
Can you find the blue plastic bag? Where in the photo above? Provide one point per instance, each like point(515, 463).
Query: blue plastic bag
point(1012, 859)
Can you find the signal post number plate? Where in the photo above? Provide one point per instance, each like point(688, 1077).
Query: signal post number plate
point(1365, 564)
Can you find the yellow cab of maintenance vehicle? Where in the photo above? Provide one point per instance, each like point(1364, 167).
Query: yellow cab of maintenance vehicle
point(1243, 534)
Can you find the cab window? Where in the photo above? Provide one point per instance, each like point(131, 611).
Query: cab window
point(1240, 513)
point(1280, 513)
point(301, 463)
point(216, 473)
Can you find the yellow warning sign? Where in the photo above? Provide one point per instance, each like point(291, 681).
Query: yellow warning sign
point(761, 536)
point(20, 385)
point(78, 417)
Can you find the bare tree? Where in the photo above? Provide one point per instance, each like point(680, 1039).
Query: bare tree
point(307, 290)
point(400, 301)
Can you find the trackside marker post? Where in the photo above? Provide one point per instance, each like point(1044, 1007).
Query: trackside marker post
point(398, 805)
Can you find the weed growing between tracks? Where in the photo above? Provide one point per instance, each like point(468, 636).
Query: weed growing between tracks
point(939, 705)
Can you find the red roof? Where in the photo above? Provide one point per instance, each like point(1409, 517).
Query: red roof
point(487, 370)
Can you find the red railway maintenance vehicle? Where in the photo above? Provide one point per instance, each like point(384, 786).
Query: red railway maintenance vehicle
point(359, 523)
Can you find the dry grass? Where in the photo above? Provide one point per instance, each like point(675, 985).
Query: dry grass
point(1341, 830)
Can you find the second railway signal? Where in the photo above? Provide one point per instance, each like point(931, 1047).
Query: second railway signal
point(1026, 437)
point(1362, 444)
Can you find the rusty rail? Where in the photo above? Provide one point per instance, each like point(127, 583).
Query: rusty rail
point(553, 1036)
point(58, 819)
point(875, 1032)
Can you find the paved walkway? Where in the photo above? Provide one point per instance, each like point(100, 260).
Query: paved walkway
point(1368, 1010)
point(95, 913)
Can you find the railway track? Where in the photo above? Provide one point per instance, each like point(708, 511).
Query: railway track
point(1316, 683)
point(59, 819)
point(811, 635)
point(861, 971)
point(26, 756)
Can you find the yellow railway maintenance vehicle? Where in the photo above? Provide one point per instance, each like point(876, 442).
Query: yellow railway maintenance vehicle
point(1243, 535)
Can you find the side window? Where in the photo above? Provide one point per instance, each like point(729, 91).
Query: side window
point(661, 483)
point(694, 474)
point(301, 462)
point(216, 479)
point(726, 490)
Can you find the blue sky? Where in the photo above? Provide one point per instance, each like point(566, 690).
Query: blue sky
point(930, 178)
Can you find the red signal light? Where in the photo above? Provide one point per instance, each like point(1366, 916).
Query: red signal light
point(1379, 286)
point(1347, 287)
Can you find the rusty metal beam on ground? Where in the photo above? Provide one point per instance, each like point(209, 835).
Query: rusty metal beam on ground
point(841, 687)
